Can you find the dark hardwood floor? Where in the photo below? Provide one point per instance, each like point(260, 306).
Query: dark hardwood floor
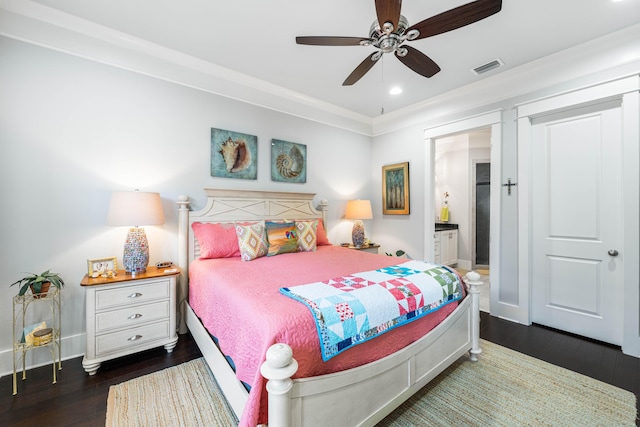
point(81, 400)
point(78, 399)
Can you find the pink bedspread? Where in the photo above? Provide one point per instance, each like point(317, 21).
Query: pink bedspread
point(240, 303)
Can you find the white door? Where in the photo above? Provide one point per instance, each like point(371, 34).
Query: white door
point(576, 198)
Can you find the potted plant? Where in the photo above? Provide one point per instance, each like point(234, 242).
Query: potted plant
point(39, 283)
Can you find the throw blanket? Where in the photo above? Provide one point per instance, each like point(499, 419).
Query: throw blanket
point(352, 309)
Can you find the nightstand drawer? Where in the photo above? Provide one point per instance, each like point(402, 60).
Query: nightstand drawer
point(126, 295)
point(131, 316)
point(131, 338)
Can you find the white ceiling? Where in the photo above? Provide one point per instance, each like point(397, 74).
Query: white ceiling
point(257, 38)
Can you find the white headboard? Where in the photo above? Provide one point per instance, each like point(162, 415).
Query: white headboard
point(228, 206)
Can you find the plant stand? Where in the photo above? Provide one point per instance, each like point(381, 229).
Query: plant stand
point(21, 304)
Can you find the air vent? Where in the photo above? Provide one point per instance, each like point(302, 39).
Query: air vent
point(496, 63)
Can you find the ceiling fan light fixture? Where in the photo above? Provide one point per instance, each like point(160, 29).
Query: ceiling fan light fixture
point(396, 90)
point(388, 44)
point(412, 34)
point(375, 32)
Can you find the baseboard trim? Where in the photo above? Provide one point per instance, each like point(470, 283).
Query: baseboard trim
point(72, 347)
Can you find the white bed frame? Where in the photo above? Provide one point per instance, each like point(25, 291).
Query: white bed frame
point(328, 400)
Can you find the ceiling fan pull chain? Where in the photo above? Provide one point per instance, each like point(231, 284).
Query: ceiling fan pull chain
point(382, 85)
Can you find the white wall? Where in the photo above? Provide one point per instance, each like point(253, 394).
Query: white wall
point(73, 131)
point(394, 232)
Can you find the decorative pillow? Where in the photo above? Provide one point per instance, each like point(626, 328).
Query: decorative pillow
point(216, 240)
point(307, 235)
point(282, 237)
point(321, 235)
point(252, 240)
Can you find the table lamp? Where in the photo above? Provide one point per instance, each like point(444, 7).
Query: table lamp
point(133, 209)
point(358, 210)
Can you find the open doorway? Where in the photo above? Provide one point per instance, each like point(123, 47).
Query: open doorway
point(491, 124)
point(462, 184)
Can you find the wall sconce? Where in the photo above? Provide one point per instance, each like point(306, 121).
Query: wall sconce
point(133, 209)
point(358, 210)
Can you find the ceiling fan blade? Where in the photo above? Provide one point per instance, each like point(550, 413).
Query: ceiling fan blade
point(330, 41)
point(456, 18)
point(361, 70)
point(418, 62)
point(388, 11)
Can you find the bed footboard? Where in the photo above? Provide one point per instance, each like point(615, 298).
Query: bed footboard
point(379, 387)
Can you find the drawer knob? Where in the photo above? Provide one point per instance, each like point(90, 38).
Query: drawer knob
point(135, 316)
point(135, 295)
point(134, 338)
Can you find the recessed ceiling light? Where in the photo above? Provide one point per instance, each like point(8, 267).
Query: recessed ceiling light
point(395, 90)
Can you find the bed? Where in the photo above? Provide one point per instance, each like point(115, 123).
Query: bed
point(378, 374)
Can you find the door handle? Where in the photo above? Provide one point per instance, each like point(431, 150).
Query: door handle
point(613, 252)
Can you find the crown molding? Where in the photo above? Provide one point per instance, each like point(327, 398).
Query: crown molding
point(593, 62)
point(41, 25)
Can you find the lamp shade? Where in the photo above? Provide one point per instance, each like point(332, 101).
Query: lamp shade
point(358, 209)
point(133, 208)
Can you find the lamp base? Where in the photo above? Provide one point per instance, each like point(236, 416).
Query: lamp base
point(357, 234)
point(136, 251)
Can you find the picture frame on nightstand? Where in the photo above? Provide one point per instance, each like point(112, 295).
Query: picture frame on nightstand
point(99, 266)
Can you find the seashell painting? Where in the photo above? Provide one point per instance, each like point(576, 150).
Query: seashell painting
point(288, 161)
point(233, 154)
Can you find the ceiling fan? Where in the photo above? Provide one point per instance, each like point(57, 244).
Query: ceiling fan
point(391, 30)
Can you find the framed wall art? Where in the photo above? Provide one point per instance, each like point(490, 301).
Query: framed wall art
point(395, 189)
point(233, 154)
point(288, 161)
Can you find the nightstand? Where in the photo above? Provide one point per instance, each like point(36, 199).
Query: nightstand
point(373, 248)
point(127, 314)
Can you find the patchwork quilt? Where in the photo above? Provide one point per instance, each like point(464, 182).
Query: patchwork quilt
point(352, 309)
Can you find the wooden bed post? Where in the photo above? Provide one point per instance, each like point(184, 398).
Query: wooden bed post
point(183, 260)
point(278, 369)
point(473, 280)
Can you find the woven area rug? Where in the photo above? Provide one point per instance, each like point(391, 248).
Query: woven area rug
point(185, 395)
point(507, 388)
point(504, 388)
